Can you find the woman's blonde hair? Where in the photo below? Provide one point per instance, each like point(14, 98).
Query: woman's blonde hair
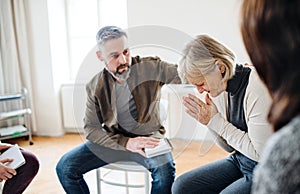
point(200, 57)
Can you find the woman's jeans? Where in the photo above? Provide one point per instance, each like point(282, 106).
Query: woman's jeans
point(230, 175)
point(89, 156)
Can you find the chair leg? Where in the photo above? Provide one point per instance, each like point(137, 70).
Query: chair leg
point(98, 174)
point(147, 187)
point(126, 182)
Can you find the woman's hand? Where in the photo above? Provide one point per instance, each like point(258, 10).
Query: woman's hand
point(6, 172)
point(4, 146)
point(201, 111)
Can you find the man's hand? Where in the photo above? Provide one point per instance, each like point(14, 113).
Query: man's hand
point(200, 110)
point(138, 143)
point(6, 172)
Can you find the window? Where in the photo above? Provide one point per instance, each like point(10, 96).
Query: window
point(84, 19)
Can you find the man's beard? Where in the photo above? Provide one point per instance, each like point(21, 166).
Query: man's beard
point(121, 77)
point(121, 66)
point(124, 75)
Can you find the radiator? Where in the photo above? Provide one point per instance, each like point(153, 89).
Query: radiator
point(73, 99)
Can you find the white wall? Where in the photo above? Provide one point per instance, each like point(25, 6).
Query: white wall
point(217, 18)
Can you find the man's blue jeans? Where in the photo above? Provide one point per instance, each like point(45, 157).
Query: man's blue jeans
point(89, 156)
point(230, 175)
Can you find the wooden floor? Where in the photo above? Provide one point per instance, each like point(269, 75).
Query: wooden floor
point(187, 155)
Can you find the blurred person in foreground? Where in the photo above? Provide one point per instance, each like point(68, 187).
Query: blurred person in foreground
point(271, 33)
point(17, 180)
point(234, 110)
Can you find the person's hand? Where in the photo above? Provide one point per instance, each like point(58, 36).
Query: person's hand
point(138, 143)
point(6, 172)
point(4, 146)
point(200, 110)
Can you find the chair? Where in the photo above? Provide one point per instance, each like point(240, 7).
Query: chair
point(125, 166)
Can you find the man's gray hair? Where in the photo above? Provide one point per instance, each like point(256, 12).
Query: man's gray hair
point(108, 33)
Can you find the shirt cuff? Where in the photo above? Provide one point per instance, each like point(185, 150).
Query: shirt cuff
point(123, 141)
point(216, 123)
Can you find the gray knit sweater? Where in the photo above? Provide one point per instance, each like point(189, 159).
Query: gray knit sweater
point(279, 168)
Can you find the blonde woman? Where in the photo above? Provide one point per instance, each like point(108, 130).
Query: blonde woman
point(235, 111)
